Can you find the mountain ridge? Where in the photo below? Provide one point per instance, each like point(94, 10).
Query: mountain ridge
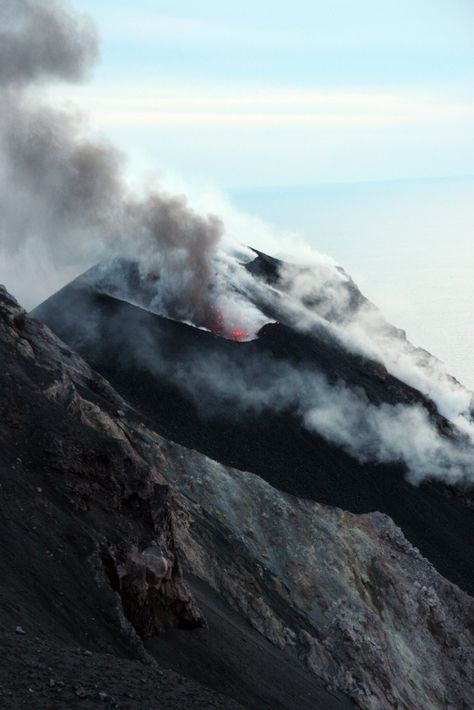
point(300, 601)
point(111, 334)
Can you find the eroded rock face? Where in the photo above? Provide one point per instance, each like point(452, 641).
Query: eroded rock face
point(64, 420)
point(346, 593)
point(113, 518)
point(152, 591)
point(183, 379)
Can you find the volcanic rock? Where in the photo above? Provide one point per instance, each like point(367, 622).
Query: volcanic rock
point(158, 363)
point(134, 540)
point(93, 560)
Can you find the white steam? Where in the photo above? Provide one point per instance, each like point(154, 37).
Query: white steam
point(65, 203)
point(380, 433)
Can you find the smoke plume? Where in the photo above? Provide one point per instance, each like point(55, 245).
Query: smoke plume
point(319, 295)
point(64, 194)
point(223, 385)
point(65, 201)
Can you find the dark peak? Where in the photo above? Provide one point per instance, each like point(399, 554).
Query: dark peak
point(112, 535)
point(264, 267)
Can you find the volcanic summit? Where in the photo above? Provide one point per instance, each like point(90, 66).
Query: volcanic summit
point(180, 509)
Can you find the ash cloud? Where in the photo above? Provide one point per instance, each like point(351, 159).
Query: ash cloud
point(64, 201)
point(41, 40)
point(64, 195)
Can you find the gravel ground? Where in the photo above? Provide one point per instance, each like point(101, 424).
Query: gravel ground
point(37, 674)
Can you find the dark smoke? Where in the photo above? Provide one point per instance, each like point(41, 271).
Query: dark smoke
point(65, 192)
point(64, 199)
point(41, 40)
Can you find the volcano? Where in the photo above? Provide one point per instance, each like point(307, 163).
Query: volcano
point(167, 370)
point(225, 480)
point(172, 538)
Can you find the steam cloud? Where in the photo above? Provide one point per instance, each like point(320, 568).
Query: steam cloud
point(64, 194)
point(320, 295)
point(64, 200)
point(326, 294)
point(341, 414)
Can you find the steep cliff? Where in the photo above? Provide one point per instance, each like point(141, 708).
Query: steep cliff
point(90, 556)
point(210, 393)
point(130, 546)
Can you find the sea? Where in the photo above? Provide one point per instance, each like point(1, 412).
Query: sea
point(409, 245)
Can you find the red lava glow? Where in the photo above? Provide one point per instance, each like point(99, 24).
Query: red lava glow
point(239, 335)
point(218, 326)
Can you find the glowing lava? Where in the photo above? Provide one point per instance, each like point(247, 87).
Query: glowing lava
point(218, 326)
point(238, 334)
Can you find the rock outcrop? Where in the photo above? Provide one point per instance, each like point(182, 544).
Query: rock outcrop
point(89, 532)
point(118, 540)
point(345, 593)
point(182, 378)
point(87, 452)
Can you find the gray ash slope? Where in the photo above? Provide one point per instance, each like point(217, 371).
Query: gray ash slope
point(112, 335)
point(90, 558)
point(124, 555)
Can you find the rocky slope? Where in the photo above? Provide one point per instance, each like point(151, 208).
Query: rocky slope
point(89, 549)
point(129, 546)
point(183, 379)
point(347, 594)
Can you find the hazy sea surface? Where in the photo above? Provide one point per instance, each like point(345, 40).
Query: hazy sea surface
point(409, 245)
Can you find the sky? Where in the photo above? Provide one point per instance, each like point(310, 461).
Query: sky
point(254, 94)
point(349, 122)
point(287, 107)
